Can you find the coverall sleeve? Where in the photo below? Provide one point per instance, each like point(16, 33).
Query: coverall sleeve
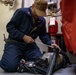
point(13, 26)
point(44, 37)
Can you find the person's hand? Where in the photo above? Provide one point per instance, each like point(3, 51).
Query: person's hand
point(28, 39)
point(55, 45)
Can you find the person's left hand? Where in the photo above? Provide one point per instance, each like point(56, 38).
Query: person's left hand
point(55, 45)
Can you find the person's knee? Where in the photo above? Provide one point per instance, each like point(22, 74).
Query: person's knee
point(8, 67)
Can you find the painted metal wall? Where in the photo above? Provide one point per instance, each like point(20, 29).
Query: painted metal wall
point(5, 15)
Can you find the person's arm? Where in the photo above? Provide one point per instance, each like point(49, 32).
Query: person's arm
point(44, 37)
point(12, 26)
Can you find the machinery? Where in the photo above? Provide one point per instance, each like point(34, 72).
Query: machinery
point(46, 65)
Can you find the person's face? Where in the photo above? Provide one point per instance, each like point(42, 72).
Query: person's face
point(34, 13)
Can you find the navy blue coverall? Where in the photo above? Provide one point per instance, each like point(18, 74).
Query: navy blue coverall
point(22, 24)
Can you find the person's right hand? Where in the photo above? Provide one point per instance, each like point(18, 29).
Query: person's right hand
point(55, 45)
point(28, 39)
